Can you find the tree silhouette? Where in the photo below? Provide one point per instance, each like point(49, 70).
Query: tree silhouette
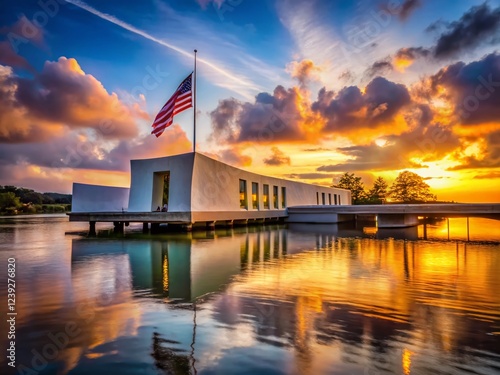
point(9, 200)
point(355, 185)
point(409, 187)
point(378, 193)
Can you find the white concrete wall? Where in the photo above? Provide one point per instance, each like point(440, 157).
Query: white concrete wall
point(97, 198)
point(215, 187)
point(201, 184)
point(142, 185)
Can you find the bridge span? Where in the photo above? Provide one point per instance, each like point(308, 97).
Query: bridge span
point(391, 215)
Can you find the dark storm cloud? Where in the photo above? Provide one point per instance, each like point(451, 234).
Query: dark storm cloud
point(400, 8)
point(479, 25)
point(474, 89)
point(407, 8)
point(436, 26)
point(382, 100)
point(412, 53)
point(347, 76)
point(286, 115)
point(224, 117)
point(379, 67)
point(272, 117)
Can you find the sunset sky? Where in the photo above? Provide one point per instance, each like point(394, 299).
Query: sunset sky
point(304, 90)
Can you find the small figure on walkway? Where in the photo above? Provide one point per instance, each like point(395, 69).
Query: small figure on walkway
point(165, 208)
point(158, 209)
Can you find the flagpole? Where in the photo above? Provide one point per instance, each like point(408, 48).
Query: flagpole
point(194, 106)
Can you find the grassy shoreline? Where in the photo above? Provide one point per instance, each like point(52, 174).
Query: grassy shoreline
point(35, 209)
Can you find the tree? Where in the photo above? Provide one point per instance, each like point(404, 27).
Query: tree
point(409, 187)
point(378, 192)
point(355, 185)
point(9, 200)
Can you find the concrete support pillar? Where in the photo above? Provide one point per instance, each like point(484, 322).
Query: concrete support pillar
point(155, 227)
point(210, 225)
point(176, 228)
point(92, 231)
point(145, 227)
point(119, 226)
point(396, 220)
point(225, 224)
point(345, 217)
point(448, 224)
point(242, 222)
point(468, 233)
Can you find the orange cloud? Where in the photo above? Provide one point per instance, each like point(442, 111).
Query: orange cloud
point(63, 93)
point(303, 71)
point(61, 97)
point(70, 128)
point(235, 157)
point(277, 157)
point(405, 57)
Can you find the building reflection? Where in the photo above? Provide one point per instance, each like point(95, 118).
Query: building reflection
point(305, 288)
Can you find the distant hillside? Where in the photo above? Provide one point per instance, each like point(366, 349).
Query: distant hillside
point(15, 200)
point(59, 198)
point(31, 196)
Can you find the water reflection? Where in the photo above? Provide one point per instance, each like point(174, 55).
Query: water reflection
point(386, 305)
point(297, 300)
point(181, 270)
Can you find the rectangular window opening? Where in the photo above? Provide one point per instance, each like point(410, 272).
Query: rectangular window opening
point(255, 195)
point(243, 195)
point(265, 196)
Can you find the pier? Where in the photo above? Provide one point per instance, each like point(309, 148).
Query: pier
point(387, 216)
point(391, 215)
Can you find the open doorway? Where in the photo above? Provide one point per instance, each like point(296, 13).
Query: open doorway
point(161, 190)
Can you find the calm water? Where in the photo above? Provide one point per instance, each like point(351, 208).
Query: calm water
point(266, 300)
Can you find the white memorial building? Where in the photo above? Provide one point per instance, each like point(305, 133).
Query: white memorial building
point(197, 188)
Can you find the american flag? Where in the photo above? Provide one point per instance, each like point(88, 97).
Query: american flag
point(180, 101)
